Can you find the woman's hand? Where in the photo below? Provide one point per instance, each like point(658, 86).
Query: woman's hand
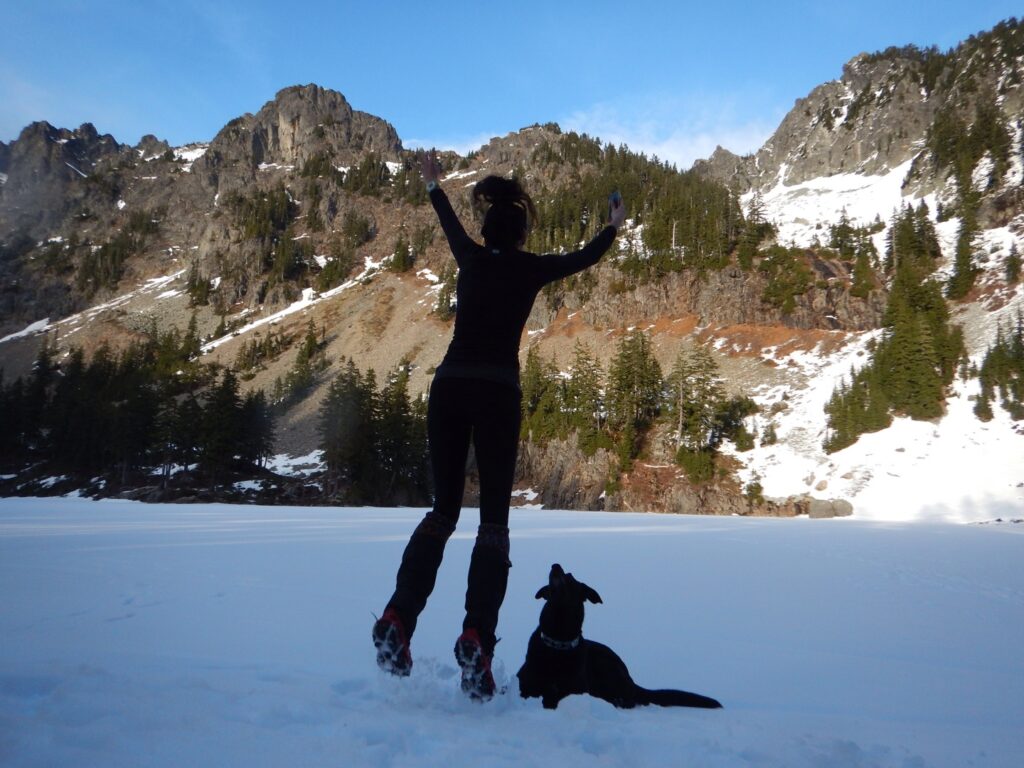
point(617, 212)
point(429, 166)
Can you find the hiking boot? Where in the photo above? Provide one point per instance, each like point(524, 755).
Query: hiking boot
point(392, 644)
point(477, 680)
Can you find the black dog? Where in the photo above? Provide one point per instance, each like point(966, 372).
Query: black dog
point(559, 662)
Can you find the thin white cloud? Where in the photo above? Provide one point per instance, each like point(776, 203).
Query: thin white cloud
point(677, 131)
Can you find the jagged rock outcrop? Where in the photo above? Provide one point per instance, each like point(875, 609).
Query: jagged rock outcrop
point(878, 114)
point(45, 169)
point(150, 147)
point(299, 123)
point(563, 476)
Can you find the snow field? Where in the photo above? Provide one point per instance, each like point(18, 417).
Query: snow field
point(956, 469)
point(170, 635)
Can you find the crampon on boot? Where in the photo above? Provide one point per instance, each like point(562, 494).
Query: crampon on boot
point(392, 644)
point(477, 680)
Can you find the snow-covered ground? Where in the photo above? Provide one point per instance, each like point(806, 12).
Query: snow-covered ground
point(957, 469)
point(239, 636)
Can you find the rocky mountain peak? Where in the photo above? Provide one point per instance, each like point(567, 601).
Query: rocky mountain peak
point(878, 115)
point(41, 165)
point(150, 146)
point(299, 123)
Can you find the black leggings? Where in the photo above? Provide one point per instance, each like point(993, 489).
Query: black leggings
point(488, 414)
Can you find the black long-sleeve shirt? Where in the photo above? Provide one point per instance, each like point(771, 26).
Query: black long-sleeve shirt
point(495, 292)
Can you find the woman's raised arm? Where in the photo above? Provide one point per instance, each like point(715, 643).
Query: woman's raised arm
point(458, 240)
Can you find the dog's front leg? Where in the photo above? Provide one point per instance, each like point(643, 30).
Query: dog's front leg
point(529, 686)
point(551, 699)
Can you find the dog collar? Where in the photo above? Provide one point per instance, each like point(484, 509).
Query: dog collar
point(560, 645)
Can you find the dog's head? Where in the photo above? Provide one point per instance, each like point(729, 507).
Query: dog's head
point(561, 618)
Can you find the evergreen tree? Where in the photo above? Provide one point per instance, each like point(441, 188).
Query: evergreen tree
point(401, 446)
point(133, 406)
point(71, 415)
point(38, 389)
point(788, 276)
point(347, 427)
point(583, 402)
point(755, 229)
point(1012, 266)
point(187, 431)
point(863, 275)
point(13, 415)
point(842, 237)
point(544, 415)
point(191, 346)
point(695, 398)
point(198, 287)
point(309, 361)
point(1002, 372)
point(369, 177)
point(221, 419)
point(256, 438)
point(965, 271)
point(402, 260)
point(445, 307)
point(917, 358)
point(634, 383)
point(311, 204)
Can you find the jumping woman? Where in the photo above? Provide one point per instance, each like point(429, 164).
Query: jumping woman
point(475, 396)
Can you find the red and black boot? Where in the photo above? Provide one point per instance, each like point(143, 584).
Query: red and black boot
point(392, 644)
point(477, 680)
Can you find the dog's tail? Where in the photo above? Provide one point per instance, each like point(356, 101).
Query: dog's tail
point(671, 698)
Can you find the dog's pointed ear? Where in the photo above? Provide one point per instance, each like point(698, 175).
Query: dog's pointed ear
point(543, 593)
point(591, 594)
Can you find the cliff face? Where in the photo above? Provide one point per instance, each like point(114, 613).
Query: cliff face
point(730, 296)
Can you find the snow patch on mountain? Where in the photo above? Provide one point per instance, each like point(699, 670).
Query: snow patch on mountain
point(155, 287)
point(189, 154)
point(37, 327)
point(309, 298)
point(803, 211)
point(957, 468)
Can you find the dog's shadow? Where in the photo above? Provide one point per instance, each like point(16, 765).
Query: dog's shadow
point(560, 662)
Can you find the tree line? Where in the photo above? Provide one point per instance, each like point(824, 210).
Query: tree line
point(374, 439)
point(617, 410)
point(916, 358)
point(152, 410)
point(1001, 372)
point(127, 415)
point(688, 221)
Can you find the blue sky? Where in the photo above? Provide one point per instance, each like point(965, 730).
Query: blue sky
point(669, 78)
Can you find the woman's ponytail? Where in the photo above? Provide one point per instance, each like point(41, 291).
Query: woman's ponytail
point(508, 211)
